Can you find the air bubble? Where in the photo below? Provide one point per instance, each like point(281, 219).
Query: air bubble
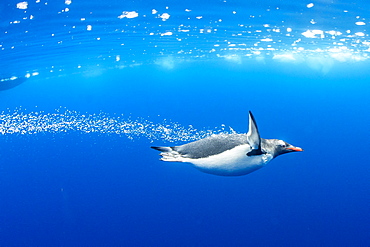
point(63, 121)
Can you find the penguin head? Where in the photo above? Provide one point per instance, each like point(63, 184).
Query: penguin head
point(280, 147)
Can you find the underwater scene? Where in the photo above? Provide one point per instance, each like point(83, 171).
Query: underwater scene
point(160, 123)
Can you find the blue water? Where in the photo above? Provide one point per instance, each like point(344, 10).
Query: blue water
point(76, 168)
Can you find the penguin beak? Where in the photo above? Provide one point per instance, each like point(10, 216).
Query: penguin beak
point(296, 149)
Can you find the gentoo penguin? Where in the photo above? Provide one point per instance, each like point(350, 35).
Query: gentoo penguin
point(229, 154)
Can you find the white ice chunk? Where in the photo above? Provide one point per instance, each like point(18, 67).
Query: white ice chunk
point(360, 34)
point(22, 5)
point(360, 23)
point(166, 34)
point(128, 14)
point(164, 16)
point(313, 33)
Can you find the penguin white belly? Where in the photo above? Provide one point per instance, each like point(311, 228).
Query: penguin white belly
point(233, 162)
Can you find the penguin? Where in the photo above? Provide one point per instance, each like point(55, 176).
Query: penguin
point(229, 154)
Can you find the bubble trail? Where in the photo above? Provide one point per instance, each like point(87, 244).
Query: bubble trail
point(62, 121)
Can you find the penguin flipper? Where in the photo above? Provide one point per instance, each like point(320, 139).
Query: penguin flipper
point(253, 137)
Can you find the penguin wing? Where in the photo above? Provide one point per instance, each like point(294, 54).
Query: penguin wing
point(253, 137)
point(211, 145)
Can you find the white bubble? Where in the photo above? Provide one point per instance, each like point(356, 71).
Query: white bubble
point(63, 120)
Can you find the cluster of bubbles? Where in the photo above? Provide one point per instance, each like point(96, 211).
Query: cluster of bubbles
point(63, 120)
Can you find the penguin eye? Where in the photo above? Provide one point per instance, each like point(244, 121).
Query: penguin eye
point(282, 144)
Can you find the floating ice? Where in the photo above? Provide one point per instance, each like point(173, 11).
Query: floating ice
point(164, 16)
point(166, 34)
point(360, 34)
point(190, 35)
point(313, 33)
point(266, 39)
point(128, 14)
point(22, 5)
point(334, 33)
point(360, 23)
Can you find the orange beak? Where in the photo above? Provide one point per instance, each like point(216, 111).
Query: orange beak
point(296, 149)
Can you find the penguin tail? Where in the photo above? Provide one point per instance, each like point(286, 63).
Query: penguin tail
point(163, 149)
point(169, 154)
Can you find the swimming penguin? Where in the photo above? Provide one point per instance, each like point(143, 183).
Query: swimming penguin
point(229, 154)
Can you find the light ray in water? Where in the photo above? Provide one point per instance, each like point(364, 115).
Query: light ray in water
point(63, 120)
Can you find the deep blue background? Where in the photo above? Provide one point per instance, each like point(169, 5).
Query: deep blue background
point(79, 189)
point(76, 189)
